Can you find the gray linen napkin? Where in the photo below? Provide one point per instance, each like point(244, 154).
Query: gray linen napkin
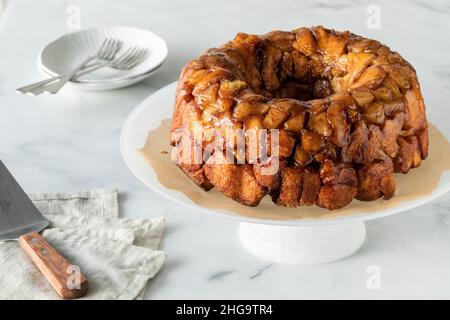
point(118, 256)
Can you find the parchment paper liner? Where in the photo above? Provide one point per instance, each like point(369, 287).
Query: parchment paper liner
point(417, 183)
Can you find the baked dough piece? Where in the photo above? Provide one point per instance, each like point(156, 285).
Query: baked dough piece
point(348, 110)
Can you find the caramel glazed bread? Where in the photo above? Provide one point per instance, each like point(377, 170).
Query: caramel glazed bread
point(349, 112)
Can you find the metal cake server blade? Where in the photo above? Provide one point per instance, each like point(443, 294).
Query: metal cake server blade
point(21, 220)
point(18, 215)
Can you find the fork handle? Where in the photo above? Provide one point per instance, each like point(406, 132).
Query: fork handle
point(30, 87)
point(55, 87)
point(62, 82)
point(60, 273)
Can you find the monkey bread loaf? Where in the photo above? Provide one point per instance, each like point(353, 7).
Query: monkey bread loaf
point(347, 111)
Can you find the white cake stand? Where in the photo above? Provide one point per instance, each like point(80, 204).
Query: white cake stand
point(311, 241)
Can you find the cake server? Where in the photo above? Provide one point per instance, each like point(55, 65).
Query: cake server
point(20, 220)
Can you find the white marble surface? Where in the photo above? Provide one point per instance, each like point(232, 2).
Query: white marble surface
point(71, 141)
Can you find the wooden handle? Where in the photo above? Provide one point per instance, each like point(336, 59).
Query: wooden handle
point(61, 274)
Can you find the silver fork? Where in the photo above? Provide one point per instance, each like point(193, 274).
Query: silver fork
point(127, 60)
point(106, 52)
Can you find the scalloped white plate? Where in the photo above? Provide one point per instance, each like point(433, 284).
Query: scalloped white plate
point(148, 115)
point(67, 52)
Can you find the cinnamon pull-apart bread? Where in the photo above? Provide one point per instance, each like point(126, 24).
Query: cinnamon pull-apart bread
point(311, 116)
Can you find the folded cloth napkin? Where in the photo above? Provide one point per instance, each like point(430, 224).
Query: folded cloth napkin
point(117, 256)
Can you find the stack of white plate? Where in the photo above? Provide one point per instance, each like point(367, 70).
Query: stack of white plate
point(69, 50)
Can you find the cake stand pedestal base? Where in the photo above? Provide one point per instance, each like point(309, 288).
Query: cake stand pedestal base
point(302, 245)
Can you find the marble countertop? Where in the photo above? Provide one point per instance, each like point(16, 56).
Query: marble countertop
point(71, 142)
